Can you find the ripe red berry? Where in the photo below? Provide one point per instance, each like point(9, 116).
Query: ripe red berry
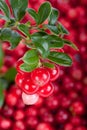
point(19, 79)
point(40, 76)
point(46, 90)
point(54, 73)
point(5, 124)
point(18, 64)
point(43, 126)
point(28, 86)
point(19, 114)
point(62, 116)
point(77, 107)
point(68, 126)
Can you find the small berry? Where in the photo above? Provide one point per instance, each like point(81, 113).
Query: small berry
point(28, 86)
point(19, 79)
point(40, 76)
point(54, 73)
point(30, 99)
point(46, 90)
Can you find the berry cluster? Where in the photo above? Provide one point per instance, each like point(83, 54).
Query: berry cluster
point(37, 82)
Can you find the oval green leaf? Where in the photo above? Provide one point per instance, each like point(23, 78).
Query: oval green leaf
point(60, 58)
point(43, 12)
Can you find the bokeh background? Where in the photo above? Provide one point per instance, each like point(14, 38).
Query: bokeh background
point(66, 108)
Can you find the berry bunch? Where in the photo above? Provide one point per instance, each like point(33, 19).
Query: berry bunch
point(37, 82)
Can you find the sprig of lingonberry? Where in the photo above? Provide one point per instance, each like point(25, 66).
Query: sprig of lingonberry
point(38, 68)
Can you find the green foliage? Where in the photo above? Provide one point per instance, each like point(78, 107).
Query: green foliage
point(3, 86)
point(60, 58)
point(53, 16)
point(1, 56)
point(43, 12)
point(40, 42)
point(31, 57)
point(9, 35)
point(28, 68)
point(48, 65)
point(24, 29)
point(1, 95)
point(62, 29)
point(5, 9)
point(33, 13)
point(19, 8)
point(10, 74)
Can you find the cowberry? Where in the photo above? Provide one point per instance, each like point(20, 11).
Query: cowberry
point(46, 90)
point(30, 99)
point(54, 73)
point(40, 76)
point(28, 86)
point(18, 64)
point(19, 79)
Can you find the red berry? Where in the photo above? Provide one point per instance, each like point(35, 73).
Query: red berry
point(77, 107)
point(54, 73)
point(62, 116)
point(40, 76)
point(46, 90)
point(5, 124)
point(28, 86)
point(19, 115)
point(18, 64)
point(19, 79)
point(68, 126)
point(43, 126)
point(11, 99)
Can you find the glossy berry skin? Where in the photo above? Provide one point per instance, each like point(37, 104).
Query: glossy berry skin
point(40, 76)
point(54, 73)
point(62, 116)
point(68, 126)
point(28, 86)
point(30, 99)
point(77, 107)
point(44, 126)
point(19, 79)
point(18, 64)
point(5, 124)
point(46, 90)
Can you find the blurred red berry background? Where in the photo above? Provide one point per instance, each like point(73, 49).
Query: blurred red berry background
point(66, 108)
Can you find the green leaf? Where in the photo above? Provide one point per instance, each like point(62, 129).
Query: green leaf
point(10, 74)
point(42, 46)
point(1, 56)
point(54, 41)
point(1, 95)
point(60, 58)
point(24, 29)
point(69, 43)
point(31, 57)
point(3, 83)
point(33, 13)
point(53, 28)
point(53, 16)
point(4, 8)
point(62, 29)
point(43, 12)
point(28, 68)
point(3, 17)
point(11, 22)
point(49, 65)
point(37, 36)
point(8, 35)
point(19, 8)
